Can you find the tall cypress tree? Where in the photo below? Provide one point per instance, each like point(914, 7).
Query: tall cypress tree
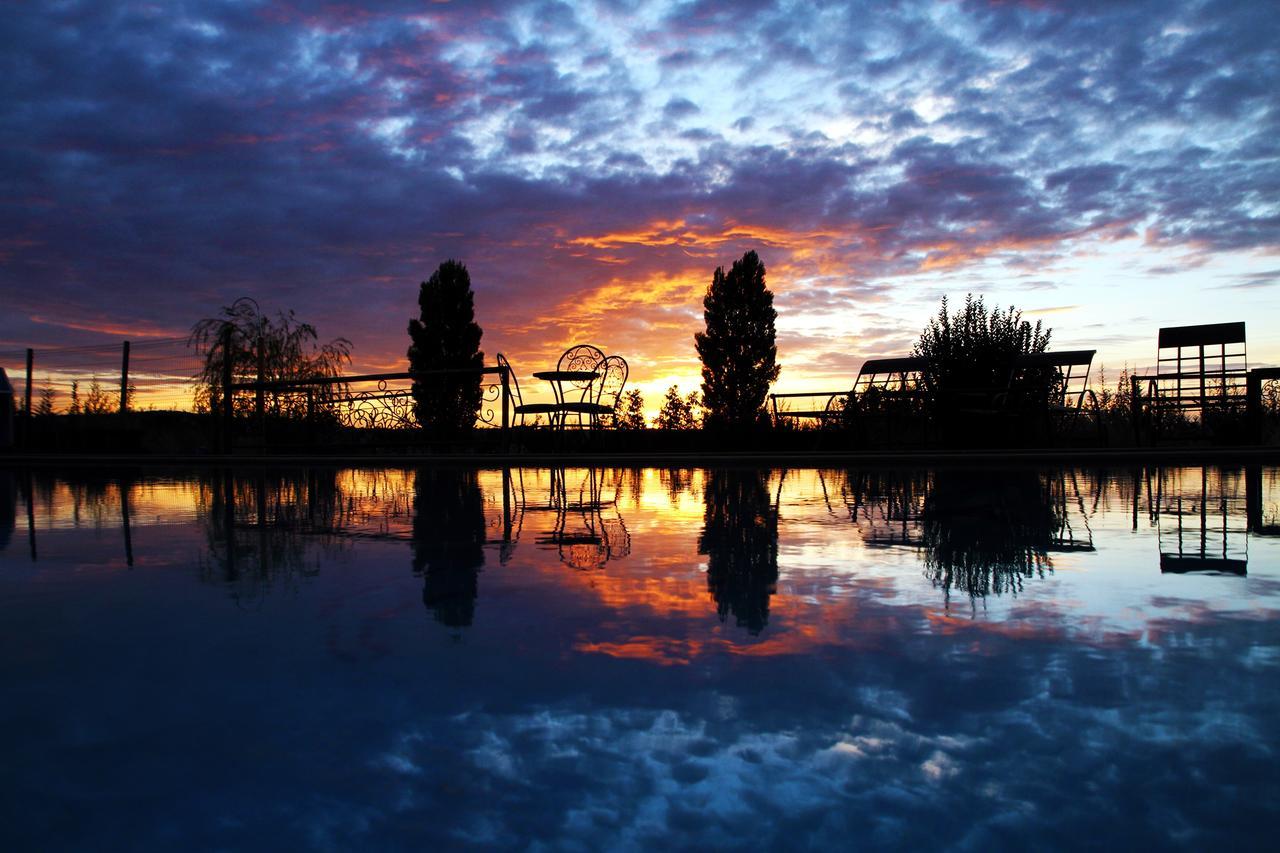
point(739, 347)
point(446, 335)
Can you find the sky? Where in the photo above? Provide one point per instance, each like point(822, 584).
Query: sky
point(1108, 167)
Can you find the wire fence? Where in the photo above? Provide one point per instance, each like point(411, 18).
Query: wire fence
point(160, 375)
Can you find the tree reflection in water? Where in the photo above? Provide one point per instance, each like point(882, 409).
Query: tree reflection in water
point(269, 528)
point(983, 535)
point(448, 542)
point(740, 541)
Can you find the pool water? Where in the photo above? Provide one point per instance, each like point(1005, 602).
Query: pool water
point(588, 659)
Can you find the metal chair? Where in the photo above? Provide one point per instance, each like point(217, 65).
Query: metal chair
point(587, 358)
point(609, 387)
point(520, 408)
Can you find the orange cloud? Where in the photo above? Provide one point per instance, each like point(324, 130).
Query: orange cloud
point(108, 328)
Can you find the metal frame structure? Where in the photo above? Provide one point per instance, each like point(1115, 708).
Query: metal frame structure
point(898, 376)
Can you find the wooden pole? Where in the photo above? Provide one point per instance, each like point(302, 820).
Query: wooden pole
point(1135, 406)
point(124, 378)
point(259, 400)
point(1253, 404)
point(26, 404)
point(228, 403)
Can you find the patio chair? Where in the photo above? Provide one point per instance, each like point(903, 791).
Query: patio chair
point(579, 392)
point(613, 370)
point(521, 409)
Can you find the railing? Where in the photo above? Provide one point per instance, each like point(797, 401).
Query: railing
point(1253, 400)
point(381, 407)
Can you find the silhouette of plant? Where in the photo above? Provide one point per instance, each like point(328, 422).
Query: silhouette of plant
point(96, 402)
point(445, 336)
point(74, 407)
point(969, 357)
point(46, 405)
point(632, 414)
point(283, 349)
point(738, 349)
point(678, 412)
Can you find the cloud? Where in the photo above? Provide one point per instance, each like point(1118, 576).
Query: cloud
point(325, 156)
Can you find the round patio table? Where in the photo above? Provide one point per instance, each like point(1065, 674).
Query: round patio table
point(558, 378)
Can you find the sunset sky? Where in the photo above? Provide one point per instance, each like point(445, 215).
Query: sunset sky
point(1110, 167)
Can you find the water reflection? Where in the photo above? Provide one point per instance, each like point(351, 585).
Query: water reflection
point(449, 534)
point(1201, 519)
point(885, 505)
point(976, 533)
point(633, 666)
point(740, 540)
point(574, 512)
point(986, 539)
point(8, 506)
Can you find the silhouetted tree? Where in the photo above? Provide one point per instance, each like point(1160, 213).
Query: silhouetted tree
point(632, 414)
point(740, 539)
point(74, 407)
point(96, 402)
point(738, 349)
point(446, 336)
point(284, 348)
point(677, 412)
point(448, 542)
point(45, 406)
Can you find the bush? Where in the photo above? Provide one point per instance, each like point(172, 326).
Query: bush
point(969, 359)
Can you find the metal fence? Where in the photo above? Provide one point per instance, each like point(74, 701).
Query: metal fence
point(151, 374)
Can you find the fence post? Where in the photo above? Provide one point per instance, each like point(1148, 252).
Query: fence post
point(311, 416)
point(259, 400)
point(228, 402)
point(124, 378)
point(1253, 397)
point(26, 404)
point(1135, 406)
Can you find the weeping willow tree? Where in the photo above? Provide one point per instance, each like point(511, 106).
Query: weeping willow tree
point(283, 348)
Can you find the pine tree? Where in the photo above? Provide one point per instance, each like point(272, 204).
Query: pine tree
point(96, 403)
point(446, 336)
point(45, 406)
point(74, 408)
point(739, 347)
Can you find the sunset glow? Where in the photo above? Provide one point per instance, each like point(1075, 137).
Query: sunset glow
point(1109, 168)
